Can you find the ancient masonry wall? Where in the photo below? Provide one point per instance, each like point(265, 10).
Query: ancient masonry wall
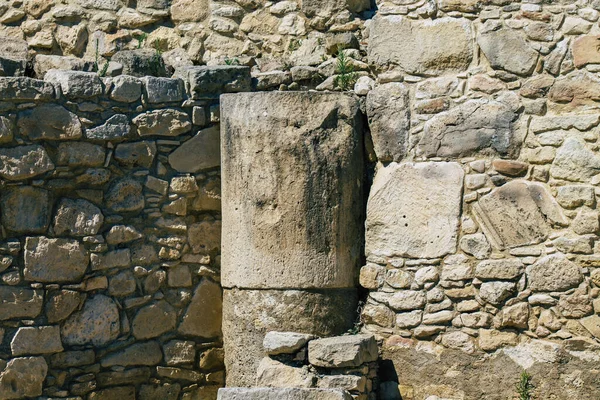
point(111, 230)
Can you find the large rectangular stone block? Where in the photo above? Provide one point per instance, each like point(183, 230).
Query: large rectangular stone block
point(282, 394)
point(292, 190)
point(413, 210)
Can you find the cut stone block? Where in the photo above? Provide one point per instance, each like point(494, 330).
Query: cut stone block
point(413, 210)
point(200, 152)
point(285, 342)
point(343, 351)
point(282, 394)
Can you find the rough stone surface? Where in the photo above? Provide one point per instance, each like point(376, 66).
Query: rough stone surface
point(166, 122)
point(203, 316)
point(23, 377)
point(282, 394)
point(24, 162)
point(507, 49)
point(49, 122)
point(25, 209)
point(77, 218)
point(96, 323)
point(54, 260)
point(553, 273)
point(199, 153)
point(154, 320)
point(421, 47)
point(398, 221)
point(342, 351)
point(284, 342)
point(36, 340)
point(291, 205)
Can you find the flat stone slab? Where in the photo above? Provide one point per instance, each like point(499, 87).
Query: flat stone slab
point(342, 351)
point(282, 394)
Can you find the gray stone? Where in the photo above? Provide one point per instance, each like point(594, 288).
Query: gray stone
point(518, 214)
point(205, 237)
point(125, 195)
point(163, 90)
point(77, 218)
point(119, 234)
point(285, 342)
point(140, 62)
point(121, 285)
point(97, 323)
point(496, 292)
point(413, 210)
point(343, 351)
point(126, 89)
point(200, 152)
point(211, 81)
point(136, 154)
point(146, 353)
point(46, 62)
point(18, 303)
point(179, 352)
point(114, 393)
point(23, 377)
point(25, 209)
point(60, 305)
point(167, 391)
point(76, 84)
point(320, 313)
point(273, 373)
point(474, 127)
point(49, 122)
point(389, 120)
point(7, 127)
point(291, 207)
point(80, 154)
point(119, 258)
point(426, 47)
point(476, 245)
point(21, 88)
point(506, 269)
point(54, 260)
point(163, 122)
point(115, 129)
point(203, 316)
point(507, 49)
point(68, 359)
point(575, 162)
point(553, 273)
point(36, 340)
point(153, 320)
point(282, 394)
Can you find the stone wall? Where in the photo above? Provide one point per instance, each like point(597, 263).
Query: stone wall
point(110, 212)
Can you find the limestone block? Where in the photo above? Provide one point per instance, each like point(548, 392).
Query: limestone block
point(327, 8)
point(284, 342)
point(77, 218)
point(163, 122)
point(389, 120)
point(23, 377)
point(145, 353)
point(343, 351)
point(136, 154)
point(579, 87)
point(25, 209)
point(496, 292)
point(190, 10)
point(125, 195)
point(413, 210)
point(283, 224)
point(575, 162)
point(200, 152)
point(97, 323)
point(76, 84)
point(273, 373)
point(115, 129)
point(54, 260)
point(426, 47)
point(507, 49)
point(553, 273)
point(80, 154)
point(282, 394)
point(119, 258)
point(126, 89)
point(249, 314)
point(49, 122)
point(476, 126)
point(36, 340)
point(585, 50)
point(25, 89)
point(61, 304)
point(17, 303)
point(139, 62)
point(46, 62)
point(119, 234)
point(518, 214)
point(153, 320)
point(504, 269)
point(211, 81)
point(163, 90)
point(203, 315)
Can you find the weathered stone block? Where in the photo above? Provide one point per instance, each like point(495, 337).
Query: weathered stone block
point(25, 89)
point(36, 340)
point(77, 218)
point(153, 320)
point(179, 352)
point(203, 151)
point(76, 84)
point(49, 122)
point(413, 210)
point(343, 351)
point(97, 323)
point(273, 373)
point(285, 342)
point(283, 223)
point(163, 90)
point(575, 162)
point(139, 62)
point(78, 154)
point(114, 393)
point(134, 154)
point(54, 260)
point(24, 162)
point(203, 316)
point(517, 214)
point(25, 209)
point(320, 313)
point(427, 47)
point(163, 122)
point(125, 195)
point(23, 377)
point(507, 49)
point(18, 303)
point(282, 394)
point(115, 129)
point(59, 305)
point(389, 120)
point(553, 273)
point(146, 353)
point(125, 88)
point(210, 82)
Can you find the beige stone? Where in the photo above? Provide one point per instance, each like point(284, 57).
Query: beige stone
point(273, 373)
point(189, 10)
point(54, 260)
point(200, 152)
point(23, 377)
point(24, 162)
point(507, 49)
point(490, 340)
point(77, 218)
point(163, 122)
point(97, 323)
point(585, 50)
point(282, 224)
point(203, 316)
point(62, 304)
point(18, 303)
point(36, 340)
point(553, 273)
point(413, 210)
point(153, 320)
point(283, 394)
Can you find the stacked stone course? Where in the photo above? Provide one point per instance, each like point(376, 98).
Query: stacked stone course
point(111, 236)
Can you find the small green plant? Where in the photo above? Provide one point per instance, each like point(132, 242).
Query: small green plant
point(232, 61)
point(359, 323)
point(524, 386)
point(346, 77)
point(157, 64)
point(141, 39)
point(294, 44)
point(100, 71)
